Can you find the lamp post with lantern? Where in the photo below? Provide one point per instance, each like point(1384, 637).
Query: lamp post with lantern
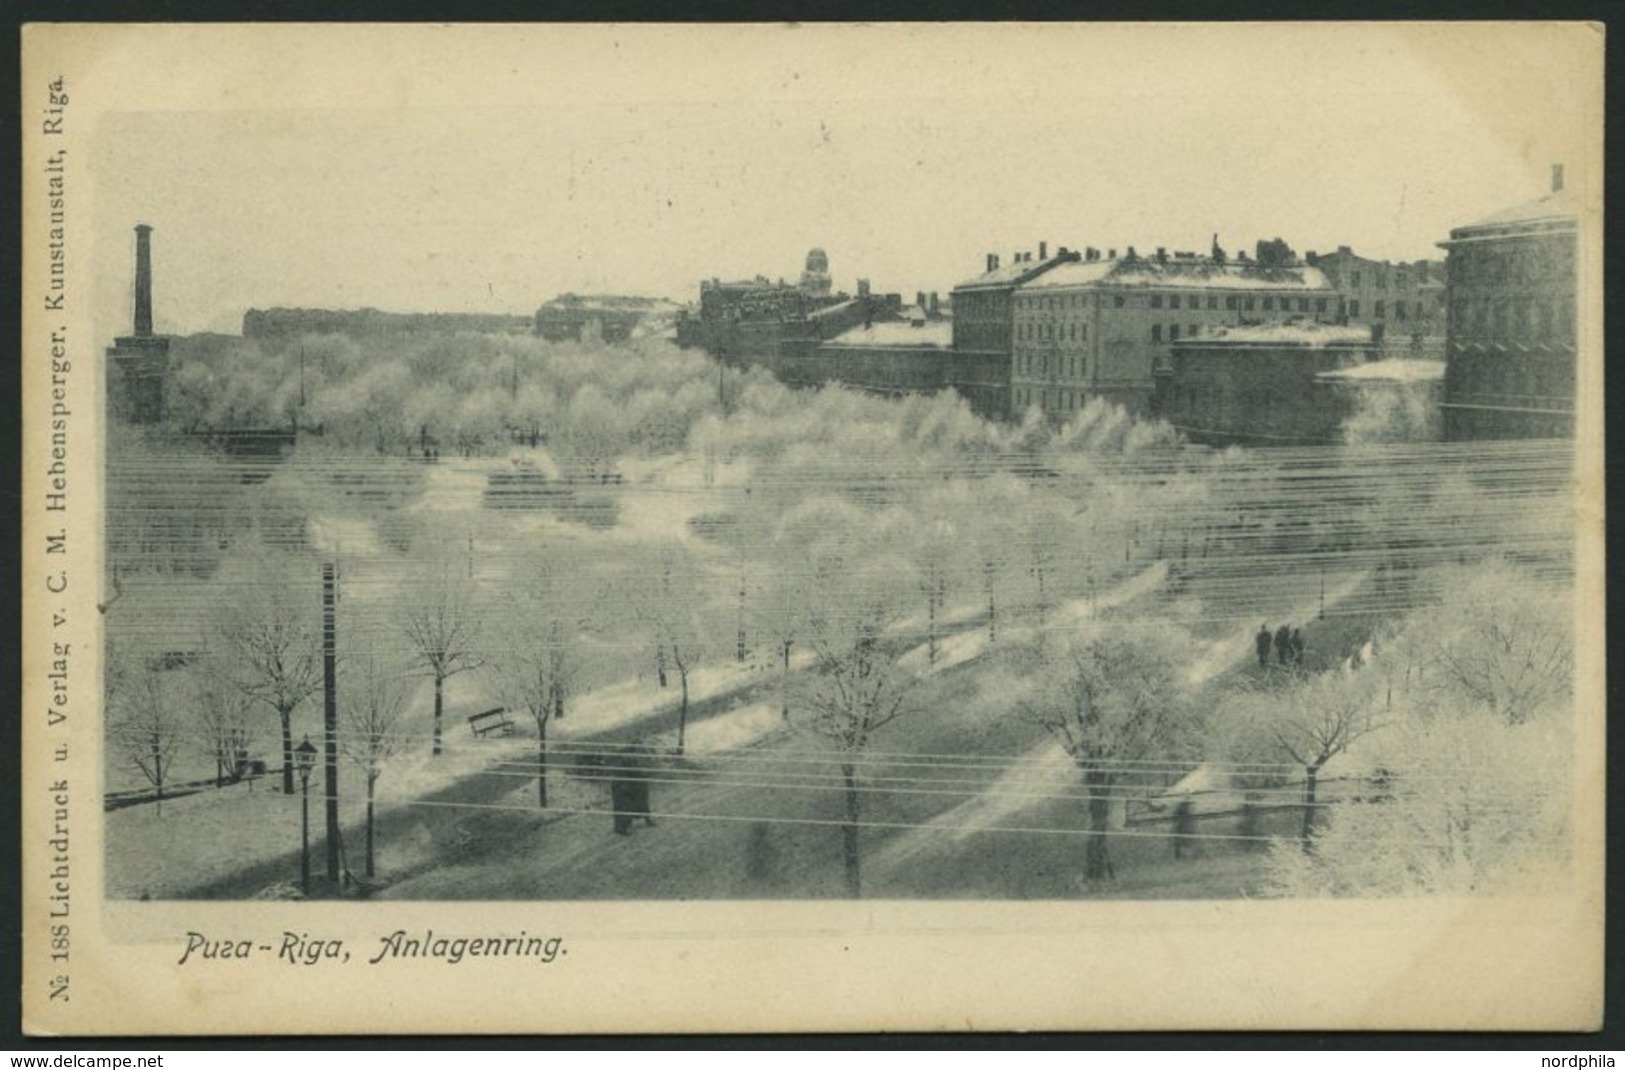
point(305, 759)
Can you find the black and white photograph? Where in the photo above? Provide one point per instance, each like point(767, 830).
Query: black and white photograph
point(506, 504)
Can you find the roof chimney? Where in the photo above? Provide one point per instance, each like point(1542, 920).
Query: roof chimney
point(1043, 250)
point(1557, 178)
point(143, 281)
point(1111, 254)
point(993, 261)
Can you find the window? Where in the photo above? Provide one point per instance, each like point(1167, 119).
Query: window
point(1173, 332)
point(1193, 329)
point(1247, 304)
point(1399, 311)
point(1117, 300)
point(1156, 332)
point(1230, 303)
point(1377, 310)
point(1354, 280)
point(1303, 304)
point(1354, 310)
point(1043, 366)
point(1173, 301)
point(1083, 332)
point(1269, 304)
point(1320, 304)
point(1156, 300)
point(1213, 302)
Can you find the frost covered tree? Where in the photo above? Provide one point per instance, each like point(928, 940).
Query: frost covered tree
point(270, 642)
point(541, 660)
point(855, 686)
point(1308, 722)
point(224, 718)
point(147, 729)
point(1113, 700)
point(673, 607)
point(442, 623)
point(374, 708)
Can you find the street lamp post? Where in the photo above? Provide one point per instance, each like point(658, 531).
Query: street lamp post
point(305, 759)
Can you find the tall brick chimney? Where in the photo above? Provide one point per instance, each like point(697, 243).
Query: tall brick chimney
point(1557, 178)
point(143, 281)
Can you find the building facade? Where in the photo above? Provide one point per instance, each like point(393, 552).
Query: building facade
point(1266, 385)
point(1510, 352)
point(603, 317)
point(984, 307)
point(1101, 325)
point(1404, 300)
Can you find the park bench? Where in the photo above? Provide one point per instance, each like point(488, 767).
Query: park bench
point(494, 720)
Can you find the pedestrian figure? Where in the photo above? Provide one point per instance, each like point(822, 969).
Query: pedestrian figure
point(1262, 641)
point(629, 791)
point(1283, 644)
point(1184, 826)
point(1297, 646)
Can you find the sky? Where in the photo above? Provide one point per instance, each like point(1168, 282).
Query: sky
point(487, 169)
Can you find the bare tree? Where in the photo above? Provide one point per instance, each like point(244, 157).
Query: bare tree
point(224, 718)
point(1317, 721)
point(443, 628)
point(855, 686)
point(374, 709)
point(1512, 665)
point(1114, 702)
point(147, 731)
point(539, 670)
point(272, 647)
point(674, 611)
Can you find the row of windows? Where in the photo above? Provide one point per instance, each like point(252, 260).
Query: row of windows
point(1520, 319)
point(1052, 303)
point(1067, 332)
point(1070, 366)
point(1173, 332)
point(1065, 400)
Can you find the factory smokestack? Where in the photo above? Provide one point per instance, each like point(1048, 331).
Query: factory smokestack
point(143, 281)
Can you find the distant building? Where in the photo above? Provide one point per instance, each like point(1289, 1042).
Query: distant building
point(1271, 384)
point(1510, 341)
point(908, 356)
point(141, 358)
point(605, 317)
point(759, 321)
point(1100, 325)
point(283, 323)
point(1406, 299)
point(984, 308)
point(815, 278)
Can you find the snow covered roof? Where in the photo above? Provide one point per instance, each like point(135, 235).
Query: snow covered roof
point(1012, 273)
point(1553, 206)
point(1293, 332)
point(830, 310)
point(1395, 370)
point(934, 333)
point(1200, 274)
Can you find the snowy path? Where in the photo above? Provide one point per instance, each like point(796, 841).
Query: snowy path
point(1046, 769)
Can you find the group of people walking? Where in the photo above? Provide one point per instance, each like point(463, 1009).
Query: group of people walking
point(1287, 643)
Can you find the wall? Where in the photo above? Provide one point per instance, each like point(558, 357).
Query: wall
point(1221, 393)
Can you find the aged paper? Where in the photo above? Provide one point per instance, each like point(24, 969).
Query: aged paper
point(487, 170)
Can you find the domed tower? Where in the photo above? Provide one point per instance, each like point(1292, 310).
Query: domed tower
point(815, 279)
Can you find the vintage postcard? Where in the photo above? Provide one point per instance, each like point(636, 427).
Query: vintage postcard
point(645, 528)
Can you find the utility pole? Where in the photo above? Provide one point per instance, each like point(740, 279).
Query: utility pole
point(330, 715)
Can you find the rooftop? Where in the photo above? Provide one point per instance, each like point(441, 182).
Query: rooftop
point(1294, 332)
point(1202, 273)
point(1395, 370)
point(935, 333)
point(1552, 208)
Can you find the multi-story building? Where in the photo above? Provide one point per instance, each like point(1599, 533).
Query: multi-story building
point(984, 306)
point(1282, 384)
point(1099, 325)
point(609, 317)
point(1404, 300)
point(1510, 341)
